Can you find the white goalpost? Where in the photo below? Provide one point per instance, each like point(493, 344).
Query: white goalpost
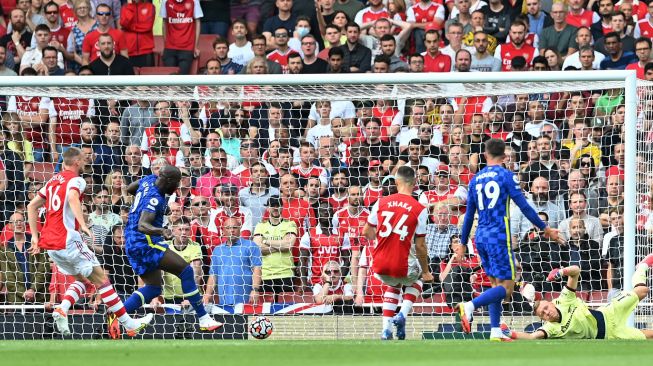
point(205, 108)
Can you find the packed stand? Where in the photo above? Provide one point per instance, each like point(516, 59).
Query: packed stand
point(274, 195)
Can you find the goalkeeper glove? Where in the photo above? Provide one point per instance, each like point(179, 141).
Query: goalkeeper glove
point(555, 274)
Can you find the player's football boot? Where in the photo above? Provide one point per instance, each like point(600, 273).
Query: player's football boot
point(208, 324)
point(61, 321)
point(386, 335)
point(139, 324)
point(465, 323)
point(399, 321)
point(113, 326)
point(648, 260)
point(501, 339)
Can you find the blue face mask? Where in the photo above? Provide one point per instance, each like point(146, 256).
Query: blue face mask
point(302, 31)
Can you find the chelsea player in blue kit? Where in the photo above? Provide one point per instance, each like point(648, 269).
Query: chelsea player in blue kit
point(490, 192)
point(147, 254)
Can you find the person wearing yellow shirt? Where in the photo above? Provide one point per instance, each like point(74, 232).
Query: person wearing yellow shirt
point(570, 317)
point(191, 252)
point(276, 238)
point(581, 145)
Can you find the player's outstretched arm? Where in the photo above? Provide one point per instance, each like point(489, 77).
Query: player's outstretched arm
point(146, 226)
point(538, 334)
point(572, 273)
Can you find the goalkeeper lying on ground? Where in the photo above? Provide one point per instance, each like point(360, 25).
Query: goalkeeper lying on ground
point(569, 317)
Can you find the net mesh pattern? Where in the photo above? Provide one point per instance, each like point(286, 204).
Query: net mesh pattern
point(328, 151)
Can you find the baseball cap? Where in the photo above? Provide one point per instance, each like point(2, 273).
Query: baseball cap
point(442, 169)
point(184, 172)
point(229, 188)
point(496, 108)
point(275, 201)
point(363, 104)
point(388, 179)
point(598, 122)
point(374, 163)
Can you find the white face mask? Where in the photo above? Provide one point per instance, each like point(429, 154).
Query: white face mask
point(302, 31)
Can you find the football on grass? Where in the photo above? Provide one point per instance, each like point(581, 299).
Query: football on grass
point(261, 327)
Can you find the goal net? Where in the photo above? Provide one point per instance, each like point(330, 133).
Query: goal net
point(324, 150)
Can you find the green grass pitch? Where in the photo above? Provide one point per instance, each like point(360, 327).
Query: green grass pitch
point(317, 353)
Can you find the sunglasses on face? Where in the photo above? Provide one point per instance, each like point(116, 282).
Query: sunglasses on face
point(200, 203)
point(330, 272)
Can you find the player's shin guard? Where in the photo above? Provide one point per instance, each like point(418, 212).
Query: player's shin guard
point(191, 293)
point(114, 304)
point(410, 296)
point(495, 294)
point(141, 297)
point(72, 295)
point(390, 303)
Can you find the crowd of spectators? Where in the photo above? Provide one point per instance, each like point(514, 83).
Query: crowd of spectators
point(273, 195)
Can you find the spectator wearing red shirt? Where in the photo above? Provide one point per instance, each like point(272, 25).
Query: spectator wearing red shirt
point(282, 50)
point(164, 121)
point(320, 245)
point(421, 14)
point(58, 31)
point(295, 209)
point(218, 175)
point(229, 206)
point(136, 22)
point(67, 13)
point(458, 170)
point(307, 168)
point(434, 60)
point(201, 221)
point(339, 193)
point(249, 153)
point(66, 117)
point(104, 21)
point(373, 190)
point(643, 53)
point(578, 16)
point(331, 289)
point(366, 17)
point(516, 47)
point(181, 31)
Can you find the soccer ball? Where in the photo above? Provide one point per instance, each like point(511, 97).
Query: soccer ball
point(261, 327)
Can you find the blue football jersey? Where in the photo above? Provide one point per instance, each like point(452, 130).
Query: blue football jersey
point(490, 192)
point(148, 198)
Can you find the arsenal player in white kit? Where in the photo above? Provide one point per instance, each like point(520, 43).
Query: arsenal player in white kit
point(400, 257)
point(61, 237)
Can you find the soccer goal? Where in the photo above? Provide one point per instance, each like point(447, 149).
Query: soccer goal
point(328, 145)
